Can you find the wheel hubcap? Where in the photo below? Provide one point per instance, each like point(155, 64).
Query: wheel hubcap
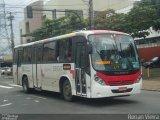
point(67, 90)
point(24, 87)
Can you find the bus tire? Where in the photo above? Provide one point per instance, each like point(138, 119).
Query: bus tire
point(66, 91)
point(25, 85)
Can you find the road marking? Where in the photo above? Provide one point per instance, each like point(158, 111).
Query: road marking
point(14, 85)
point(6, 82)
point(6, 105)
point(38, 97)
point(19, 95)
point(42, 97)
point(5, 100)
point(36, 101)
point(28, 98)
point(1, 86)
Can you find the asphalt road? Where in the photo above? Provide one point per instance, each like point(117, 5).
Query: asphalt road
point(14, 101)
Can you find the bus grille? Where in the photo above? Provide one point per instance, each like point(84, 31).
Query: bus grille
point(120, 82)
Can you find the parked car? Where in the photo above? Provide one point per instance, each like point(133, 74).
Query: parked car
point(153, 63)
point(6, 71)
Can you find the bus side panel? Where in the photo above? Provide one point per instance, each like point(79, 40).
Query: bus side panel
point(15, 74)
point(52, 73)
point(70, 74)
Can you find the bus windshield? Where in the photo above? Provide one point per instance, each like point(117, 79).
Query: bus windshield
point(113, 52)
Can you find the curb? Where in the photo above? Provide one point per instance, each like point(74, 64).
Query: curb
point(7, 77)
point(158, 90)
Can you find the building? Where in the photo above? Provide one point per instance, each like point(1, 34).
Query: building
point(150, 46)
point(28, 25)
point(80, 6)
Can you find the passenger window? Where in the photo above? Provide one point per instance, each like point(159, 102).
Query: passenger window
point(65, 50)
point(27, 55)
point(49, 52)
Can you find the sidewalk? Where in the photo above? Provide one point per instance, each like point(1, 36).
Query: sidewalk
point(152, 84)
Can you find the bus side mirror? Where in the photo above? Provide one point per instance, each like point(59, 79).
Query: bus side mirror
point(89, 49)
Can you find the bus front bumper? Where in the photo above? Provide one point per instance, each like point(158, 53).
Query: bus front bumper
point(99, 91)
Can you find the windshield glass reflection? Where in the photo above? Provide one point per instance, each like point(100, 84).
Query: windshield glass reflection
point(113, 52)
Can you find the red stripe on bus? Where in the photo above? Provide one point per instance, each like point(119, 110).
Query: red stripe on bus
point(119, 80)
point(73, 74)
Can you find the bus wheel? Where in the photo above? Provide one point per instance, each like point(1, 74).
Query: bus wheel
point(66, 90)
point(25, 85)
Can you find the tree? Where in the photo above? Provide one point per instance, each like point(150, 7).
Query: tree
point(144, 14)
point(111, 20)
point(51, 28)
point(140, 19)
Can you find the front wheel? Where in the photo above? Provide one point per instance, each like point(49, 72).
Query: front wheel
point(25, 85)
point(67, 92)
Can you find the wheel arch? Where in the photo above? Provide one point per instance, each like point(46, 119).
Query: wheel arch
point(61, 80)
point(23, 76)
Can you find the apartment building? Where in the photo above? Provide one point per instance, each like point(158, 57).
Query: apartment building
point(80, 6)
point(28, 25)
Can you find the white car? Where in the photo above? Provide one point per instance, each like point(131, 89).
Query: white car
point(6, 71)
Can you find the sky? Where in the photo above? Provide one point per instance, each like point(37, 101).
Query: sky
point(17, 6)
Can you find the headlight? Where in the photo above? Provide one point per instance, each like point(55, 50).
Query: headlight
point(99, 80)
point(139, 79)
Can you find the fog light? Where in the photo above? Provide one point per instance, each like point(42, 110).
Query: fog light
point(139, 79)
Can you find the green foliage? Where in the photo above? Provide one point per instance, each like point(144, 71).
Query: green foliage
point(59, 26)
point(144, 14)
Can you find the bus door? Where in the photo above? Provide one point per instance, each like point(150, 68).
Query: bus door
point(36, 67)
point(80, 68)
point(19, 68)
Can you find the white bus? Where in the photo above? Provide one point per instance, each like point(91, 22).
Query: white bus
point(91, 64)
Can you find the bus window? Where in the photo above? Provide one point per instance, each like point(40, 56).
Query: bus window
point(39, 55)
point(65, 50)
point(49, 52)
point(27, 55)
point(15, 56)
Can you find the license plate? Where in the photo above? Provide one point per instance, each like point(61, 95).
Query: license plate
point(122, 89)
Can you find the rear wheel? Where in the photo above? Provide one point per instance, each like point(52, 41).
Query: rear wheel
point(25, 85)
point(66, 90)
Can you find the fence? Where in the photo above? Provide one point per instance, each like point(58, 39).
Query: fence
point(150, 72)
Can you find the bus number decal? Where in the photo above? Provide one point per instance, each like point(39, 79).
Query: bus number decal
point(66, 67)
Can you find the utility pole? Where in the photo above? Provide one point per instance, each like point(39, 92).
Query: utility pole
point(10, 18)
point(4, 37)
point(91, 17)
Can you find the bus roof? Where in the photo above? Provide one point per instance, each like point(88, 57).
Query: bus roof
point(81, 32)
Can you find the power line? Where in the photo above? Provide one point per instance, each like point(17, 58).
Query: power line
point(10, 18)
point(3, 25)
